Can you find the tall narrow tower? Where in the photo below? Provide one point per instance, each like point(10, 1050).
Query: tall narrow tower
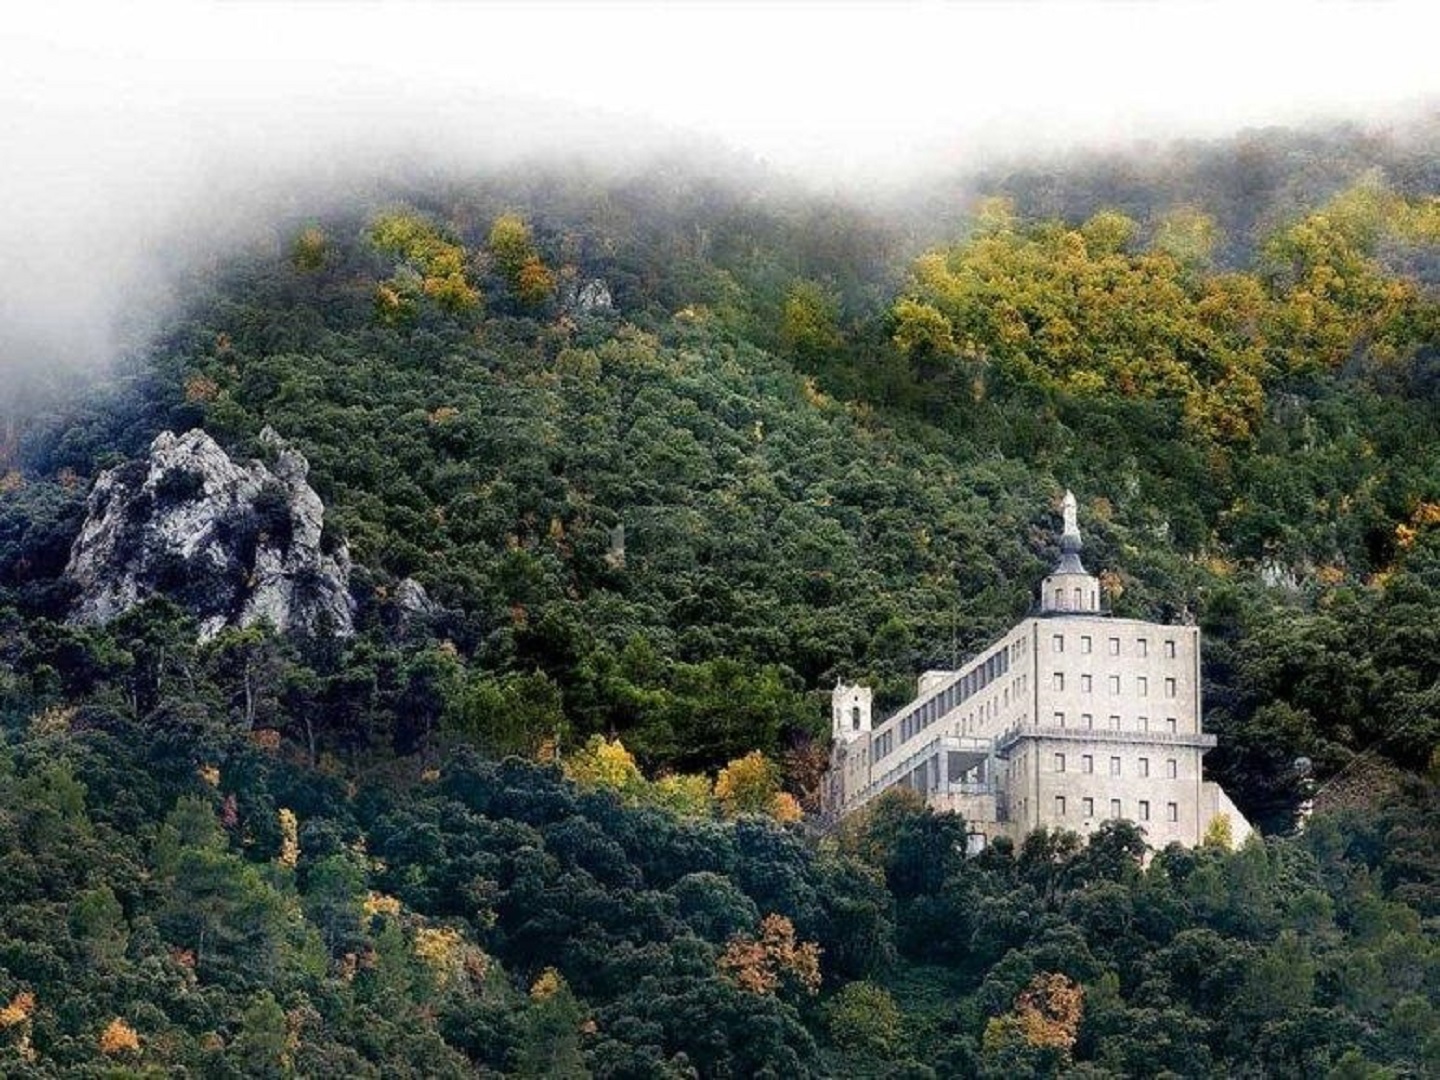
point(849, 712)
point(1070, 588)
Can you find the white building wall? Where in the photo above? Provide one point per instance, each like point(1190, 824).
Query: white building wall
point(1094, 718)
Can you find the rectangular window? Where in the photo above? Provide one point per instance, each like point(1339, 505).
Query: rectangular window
point(1087, 721)
point(1114, 723)
point(1087, 763)
point(1088, 805)
point(1114, 646)
point(1169, 650)
point(1142, 686)
point(1172, 811)
point(1169, 687)
point(1057, 643)
point(1144, 766)
point(1114, 684)
point(1058, 680)
point(1142, 647)
point(1172, 769)
point(1086, 683)
point(1085, 643)
point(1059, 805)
point(1144, 723)
point(1059, 719)
point(1144, 810)
point(1059, 762)
point(1114, 766)
point(1115, 809)
point(1171, 726)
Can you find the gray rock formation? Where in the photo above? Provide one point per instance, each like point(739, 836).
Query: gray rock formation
point(234, 544)
point(413, 607)
point(591, 297)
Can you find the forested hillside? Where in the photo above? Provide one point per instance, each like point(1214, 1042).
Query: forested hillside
point(670, 455)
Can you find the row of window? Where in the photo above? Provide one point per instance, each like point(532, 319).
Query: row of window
point(1117, 809)
point(1086, 644)
point(1087, 684)
point(1142, 723)
point(1087, 766)
point(957, 693)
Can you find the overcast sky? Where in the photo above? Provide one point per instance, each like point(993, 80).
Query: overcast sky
point(112, 115)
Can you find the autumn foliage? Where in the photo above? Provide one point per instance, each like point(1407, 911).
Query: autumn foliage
point(763, 965)
point(119, 1038)
point(1046, 1015)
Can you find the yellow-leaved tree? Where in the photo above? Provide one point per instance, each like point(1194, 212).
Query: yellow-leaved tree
point(432, 266)
point(751, 785)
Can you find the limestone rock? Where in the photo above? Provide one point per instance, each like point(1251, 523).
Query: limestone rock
point(591, 297)
point(413, 606)
point(234, 544)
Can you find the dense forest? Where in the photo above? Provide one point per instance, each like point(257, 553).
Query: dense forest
point(671, 454)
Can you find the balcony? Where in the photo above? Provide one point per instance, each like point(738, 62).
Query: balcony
point(1202, 740)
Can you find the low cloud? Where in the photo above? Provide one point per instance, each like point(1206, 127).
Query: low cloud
point(137, 138)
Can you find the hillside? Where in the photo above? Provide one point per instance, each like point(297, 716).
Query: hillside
point(670, 456)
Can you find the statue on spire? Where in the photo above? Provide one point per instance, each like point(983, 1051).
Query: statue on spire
point(1068, 512)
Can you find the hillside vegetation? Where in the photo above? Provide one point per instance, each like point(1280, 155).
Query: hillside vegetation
point(554, 832)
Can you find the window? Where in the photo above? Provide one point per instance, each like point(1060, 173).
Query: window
point(1172, 769)
point(1058, 680)
point(1059, 805)
point(1087, 721)
point(1087, 763)
point(1088, 806)
point(1169, 687)
point(1057, 643)
point(1144, 810)
point(1144, 766)
point(1086, 684)
point(1115, 808)
point(1059, 598)
point(1114, 766)
point(1114, 646)
point(1085, 643)
point(1172, 811)
point(1079, 602)
point(1144, 723)
point(1170, 725)
point(1059, 719)
point(1114, 684)
point(855, 718)
point(1059, 762)
point(1142, 686)
point(1114, 723)
point(1170, 650)
point(1142, 647)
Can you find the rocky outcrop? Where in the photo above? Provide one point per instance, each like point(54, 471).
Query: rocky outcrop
point(414, 610)
point(234, 544)
point(590, 297)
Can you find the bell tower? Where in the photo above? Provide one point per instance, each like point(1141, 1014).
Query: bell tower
point(849, 712)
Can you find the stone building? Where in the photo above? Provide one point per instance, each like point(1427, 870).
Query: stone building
point(1071, 719)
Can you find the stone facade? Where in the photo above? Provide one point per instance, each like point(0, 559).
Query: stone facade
point(1070, 719)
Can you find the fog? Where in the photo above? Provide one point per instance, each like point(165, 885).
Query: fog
point(135, 138)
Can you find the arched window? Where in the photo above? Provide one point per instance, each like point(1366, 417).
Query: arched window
point(855, 718)
point(1079, 602)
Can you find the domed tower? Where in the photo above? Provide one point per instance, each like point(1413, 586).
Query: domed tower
point(1070, 589)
